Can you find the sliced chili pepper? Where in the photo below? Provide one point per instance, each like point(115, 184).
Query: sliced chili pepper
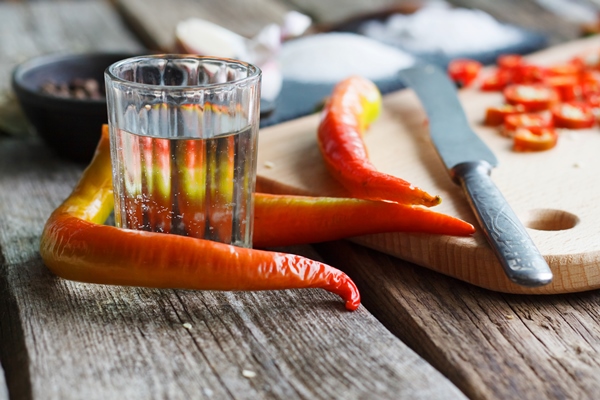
point(528, 74)
point(573, 116)
point(567, 87)
point(318, 219)
point(587, 60)
point(593, 100)
point(353, 105)
point(495, 82)
point(589, 86)
point(590, 77)
point(533, 97)
point(532, 121)
point(572, 69)
point(590, 89)
point(509, 61)
point(527, 140)
point(464, 71)
point(74, 245)
point(495, 116)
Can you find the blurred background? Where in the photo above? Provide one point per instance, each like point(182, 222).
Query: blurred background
point(303, 46)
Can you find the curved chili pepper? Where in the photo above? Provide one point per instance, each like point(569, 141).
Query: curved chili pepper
point(353, 105)
point(74, 245)
point(319, 219)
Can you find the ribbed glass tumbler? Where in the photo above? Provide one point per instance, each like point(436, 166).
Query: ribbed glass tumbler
point(183, 136)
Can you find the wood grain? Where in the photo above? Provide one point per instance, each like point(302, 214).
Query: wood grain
point(63, 339)
point(549, 191)
point(491, 345)
point(155, 20)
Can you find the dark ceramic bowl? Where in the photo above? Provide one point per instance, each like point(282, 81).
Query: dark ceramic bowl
point(70, 126)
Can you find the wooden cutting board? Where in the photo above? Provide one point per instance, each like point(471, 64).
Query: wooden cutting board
point(554, 193)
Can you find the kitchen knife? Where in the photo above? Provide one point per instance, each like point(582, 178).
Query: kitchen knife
point(469, 162)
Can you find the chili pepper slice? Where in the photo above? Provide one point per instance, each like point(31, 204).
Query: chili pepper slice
point(565, 69)
point(533, 97)
point(319, 219)
point(531, 121)
point(74, 245)
point(587, 60)
point(509, 61)
point(593, 100)
point(567, 87)
point(528, 74)
point(464, 71)
point(495, 116)
point(526, 140)
point(495, 82)
point(353, 105)
point(573, 116)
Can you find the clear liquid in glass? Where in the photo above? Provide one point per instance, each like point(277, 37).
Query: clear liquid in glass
point(200, 187)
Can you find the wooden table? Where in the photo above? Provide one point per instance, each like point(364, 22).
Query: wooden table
point(418, 335)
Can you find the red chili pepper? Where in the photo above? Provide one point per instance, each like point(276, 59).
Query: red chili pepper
point(353, 105)
point(495, 116)
point(573, 116)
point(464, 71)
point(528, 74)
point(495, 82)
point(567, 87)
point(526, 140)
point(509, 61)
point(74, 245)
point(593, 100)
point(587, 60)
point(565, 69)
point(533, 97)
point(532, 121)
point(318, 219)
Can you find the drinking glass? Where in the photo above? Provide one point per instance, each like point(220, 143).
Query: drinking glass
point(183, 137)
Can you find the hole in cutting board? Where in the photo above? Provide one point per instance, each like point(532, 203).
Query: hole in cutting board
point(550, 220)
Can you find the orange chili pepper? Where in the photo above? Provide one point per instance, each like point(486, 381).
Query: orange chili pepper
point(75, 245)
point(319, 219)
point(353, 105)
point(527, 140)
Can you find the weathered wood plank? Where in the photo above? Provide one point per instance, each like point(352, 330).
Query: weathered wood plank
point(64, 339)
point(155, 20)
point(491, 345)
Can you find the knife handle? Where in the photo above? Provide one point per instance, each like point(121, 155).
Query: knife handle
point(517, 253)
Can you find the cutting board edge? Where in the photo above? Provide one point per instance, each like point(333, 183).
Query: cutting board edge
point(487, 273)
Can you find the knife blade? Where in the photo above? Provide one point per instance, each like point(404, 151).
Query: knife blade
point(470, 162)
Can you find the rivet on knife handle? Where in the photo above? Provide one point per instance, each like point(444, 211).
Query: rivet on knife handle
point(469, 162)
point(517, 253)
